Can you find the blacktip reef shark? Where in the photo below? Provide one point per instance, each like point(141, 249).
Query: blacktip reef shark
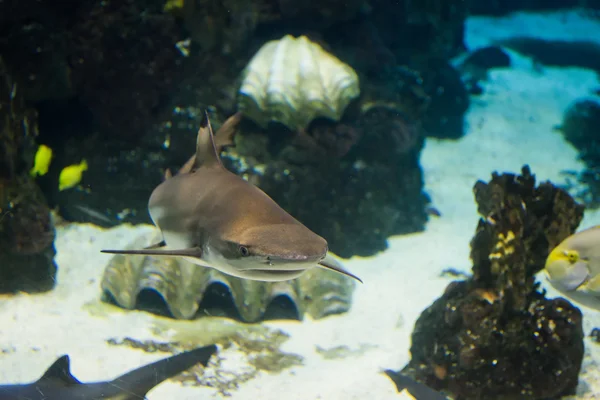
point(411, 389)
point(214, 218)
point(57, 383)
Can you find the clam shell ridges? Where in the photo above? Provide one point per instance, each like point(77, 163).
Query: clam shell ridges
point(182, 285)
point(293, 81)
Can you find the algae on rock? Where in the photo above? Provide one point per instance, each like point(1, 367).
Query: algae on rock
point(248, 350)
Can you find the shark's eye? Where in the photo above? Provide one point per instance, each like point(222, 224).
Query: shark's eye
point(244, 251)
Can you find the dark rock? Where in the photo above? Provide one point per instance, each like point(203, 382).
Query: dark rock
point(501, 7)
point(494, 336)
point(444, 118)
point(355, 182)
point(26, 231)
point(118, 57)
point(124, 63)
point(487, 58)
point(557, 53)
point(420, 36)
point(595, 335)
point(420, 29)
point(580, 128)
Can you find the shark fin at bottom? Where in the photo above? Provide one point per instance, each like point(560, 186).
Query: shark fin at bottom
point(60, 370)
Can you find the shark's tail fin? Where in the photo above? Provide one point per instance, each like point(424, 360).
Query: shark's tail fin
point(141, 380)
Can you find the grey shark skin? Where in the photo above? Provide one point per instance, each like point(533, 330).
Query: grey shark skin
point(214, 218)
point(416, 389)
point(57, 383)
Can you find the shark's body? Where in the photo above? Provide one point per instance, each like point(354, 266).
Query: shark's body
point(216, 219)
point(57, 383)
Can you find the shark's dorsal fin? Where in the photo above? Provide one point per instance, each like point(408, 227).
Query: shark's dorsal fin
point(223, 138)
point(206, 150)
point(225, 134)
point(60, 371)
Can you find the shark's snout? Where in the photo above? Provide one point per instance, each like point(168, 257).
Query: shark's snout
point(284, 244)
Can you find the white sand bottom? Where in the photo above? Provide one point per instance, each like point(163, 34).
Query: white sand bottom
point(509, 126)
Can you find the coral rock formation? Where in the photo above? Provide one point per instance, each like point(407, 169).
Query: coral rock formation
point(26, 231)
point(494, 336)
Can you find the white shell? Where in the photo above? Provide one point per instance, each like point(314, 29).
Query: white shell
point(293, 81)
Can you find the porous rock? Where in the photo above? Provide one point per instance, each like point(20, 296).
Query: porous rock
point(26, 230)
point(495, 336)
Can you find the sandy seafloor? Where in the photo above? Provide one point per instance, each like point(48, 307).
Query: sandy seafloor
point(511, 124)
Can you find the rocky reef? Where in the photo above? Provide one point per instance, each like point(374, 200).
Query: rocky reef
point(188, 290)
point(26, 231)
point(494, 335)
point(122, 85)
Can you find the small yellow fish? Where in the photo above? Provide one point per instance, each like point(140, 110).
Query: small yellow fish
point(573, 267)
point(43, 156)
point(70, 176)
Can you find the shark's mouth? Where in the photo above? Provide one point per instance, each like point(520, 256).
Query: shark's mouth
point(278, 271)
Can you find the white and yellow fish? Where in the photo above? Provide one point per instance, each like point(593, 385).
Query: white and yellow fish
point(573, 267)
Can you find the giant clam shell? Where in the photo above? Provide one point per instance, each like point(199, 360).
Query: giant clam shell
point(182, 285)
point(293, 81)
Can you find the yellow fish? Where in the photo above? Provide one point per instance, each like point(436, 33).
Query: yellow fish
point(43, 156)
point(70, 176)
point(573, 267)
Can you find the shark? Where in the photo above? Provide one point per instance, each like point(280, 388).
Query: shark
point(214, 218)
point(412, 389)
point(57, 383)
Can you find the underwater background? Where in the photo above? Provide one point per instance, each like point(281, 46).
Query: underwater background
point(442, 148)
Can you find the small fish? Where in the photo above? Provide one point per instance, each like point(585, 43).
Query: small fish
point(41, 163)
point(94, 216)
point(214, 218)
point(412, 389)
point(573, 267)
point(58, 383)
point(70, 176)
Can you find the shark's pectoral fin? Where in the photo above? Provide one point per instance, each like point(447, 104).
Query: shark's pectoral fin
point(60, 371)
point(334, 265)
point(193, 252)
